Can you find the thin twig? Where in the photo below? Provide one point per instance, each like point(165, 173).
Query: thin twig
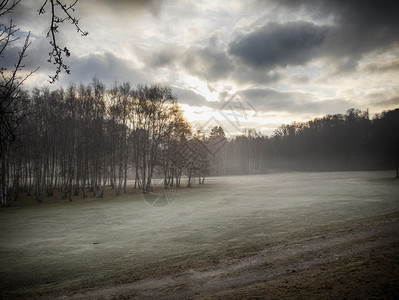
point(56, 56)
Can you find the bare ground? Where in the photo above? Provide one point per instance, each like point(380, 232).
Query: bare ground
point(360, 262)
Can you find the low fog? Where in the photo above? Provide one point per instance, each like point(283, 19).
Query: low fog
point(82, 243)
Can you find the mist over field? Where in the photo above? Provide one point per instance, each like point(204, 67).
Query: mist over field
point(94, 242)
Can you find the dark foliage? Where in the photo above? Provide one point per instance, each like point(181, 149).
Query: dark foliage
point(341, 142)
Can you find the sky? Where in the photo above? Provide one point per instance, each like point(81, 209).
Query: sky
point(237, 64)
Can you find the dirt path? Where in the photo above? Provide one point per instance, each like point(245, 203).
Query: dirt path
point(297, 257)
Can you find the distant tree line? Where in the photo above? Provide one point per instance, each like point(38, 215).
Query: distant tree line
point(350, 141)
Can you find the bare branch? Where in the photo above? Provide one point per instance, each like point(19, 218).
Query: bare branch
point(6, 36)
point(12, 83)
point(5, 9)
point(56, 56)
point(42, 10)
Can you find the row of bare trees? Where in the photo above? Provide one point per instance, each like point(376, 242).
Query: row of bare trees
point(87, 138)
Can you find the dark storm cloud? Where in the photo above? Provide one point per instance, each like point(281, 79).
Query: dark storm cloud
point(355, 28)
point(279, 45)
point(266, 99)
point(243, 74)
point(165, 57)
point(107, 67)
point(359, 26)
point(272, 100)
point(208, 63)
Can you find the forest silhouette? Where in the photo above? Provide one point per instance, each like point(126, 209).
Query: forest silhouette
point(88, 138)
point(339, 142)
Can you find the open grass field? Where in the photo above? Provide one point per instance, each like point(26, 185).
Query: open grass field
point(263, 235)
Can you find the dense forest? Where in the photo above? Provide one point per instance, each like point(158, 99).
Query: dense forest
point(341, 142)
point(87, 138)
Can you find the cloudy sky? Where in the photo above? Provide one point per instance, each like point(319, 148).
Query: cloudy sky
point(243, 64)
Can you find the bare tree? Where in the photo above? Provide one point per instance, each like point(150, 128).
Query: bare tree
point(11, 81)
point(174, 143)
point(10, 95)
point(122, 106)
point(153, 119)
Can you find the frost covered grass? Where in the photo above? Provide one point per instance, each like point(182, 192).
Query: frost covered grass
point(71, 245)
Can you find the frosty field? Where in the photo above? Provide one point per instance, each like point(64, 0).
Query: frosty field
point(64, 247)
